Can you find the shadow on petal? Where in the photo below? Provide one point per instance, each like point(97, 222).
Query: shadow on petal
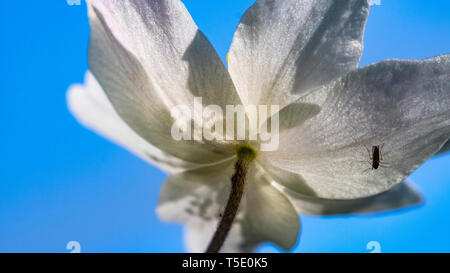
point(400, 196)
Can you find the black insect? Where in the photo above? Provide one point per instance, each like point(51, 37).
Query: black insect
point(376, 157)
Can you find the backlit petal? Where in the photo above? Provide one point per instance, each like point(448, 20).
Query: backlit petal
point(402, 195)
point(444, 148)
point(402, 106)
point(197, 198)
point(89, 104)
point(149, 57)
point(288, 47)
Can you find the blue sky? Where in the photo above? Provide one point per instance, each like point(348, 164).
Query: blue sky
point(60, 182)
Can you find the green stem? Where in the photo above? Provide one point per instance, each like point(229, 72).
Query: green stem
point(245, 155)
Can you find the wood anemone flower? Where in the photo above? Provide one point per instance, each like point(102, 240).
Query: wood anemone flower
point(148, 56)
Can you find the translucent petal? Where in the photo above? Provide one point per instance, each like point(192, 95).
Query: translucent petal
point(197, 198)
point(89, 104)
point(401, 106)
point(285, 48)
point(400, 196)
point(149, 57)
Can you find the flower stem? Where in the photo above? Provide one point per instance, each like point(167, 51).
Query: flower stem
point(245, 156)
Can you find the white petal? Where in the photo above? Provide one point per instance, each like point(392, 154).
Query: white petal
point(198, 197)
point(89, 104)
point(444, 148)
point(400, 196)
point(292, 181)
point(288, 47)
point(150, 57)
point(403, 106)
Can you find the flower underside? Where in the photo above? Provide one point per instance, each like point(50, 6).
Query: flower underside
point(147, 57)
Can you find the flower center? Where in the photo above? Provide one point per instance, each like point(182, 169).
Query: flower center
point(245, 152)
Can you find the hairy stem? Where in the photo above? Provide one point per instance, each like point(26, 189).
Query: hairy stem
point(237, 189)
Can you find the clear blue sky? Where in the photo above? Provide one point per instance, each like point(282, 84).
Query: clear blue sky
point(60, 182)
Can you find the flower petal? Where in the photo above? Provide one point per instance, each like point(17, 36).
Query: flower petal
point(149, 57)
point(292, 181)
point(402, 106)
point(197, 198)
point(89, 104)
point(444, 148)
point(288, 47)
point(400, 196)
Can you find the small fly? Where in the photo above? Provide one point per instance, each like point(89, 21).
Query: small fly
point(376, 157)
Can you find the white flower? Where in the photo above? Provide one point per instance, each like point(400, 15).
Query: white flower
point(148, 56)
